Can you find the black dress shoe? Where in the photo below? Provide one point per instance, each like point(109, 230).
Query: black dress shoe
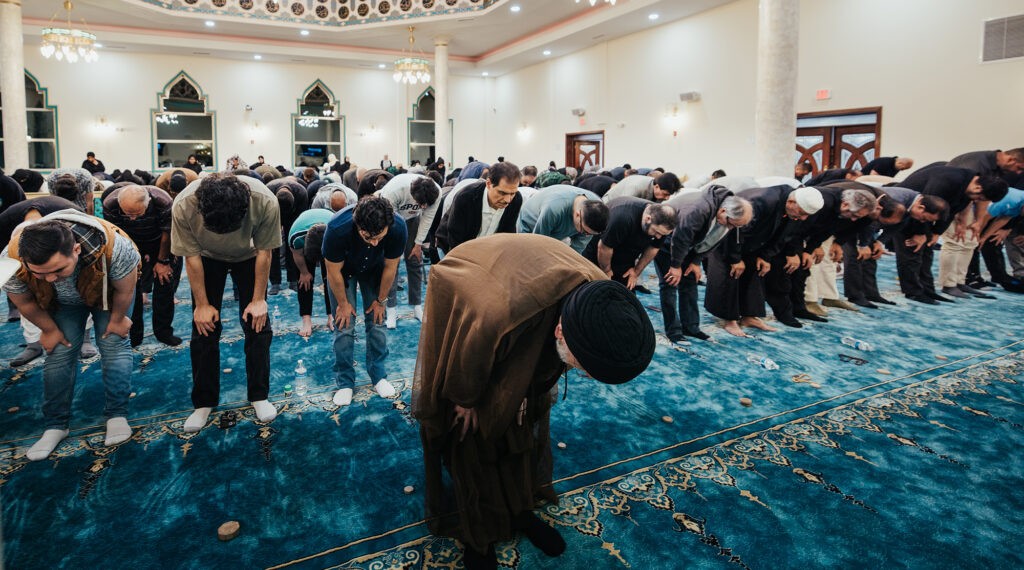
point(792, 323)
point(938, 297)
point(169, 340)
point(881, 300)
point(697, 335)
point(923, 299)
point(864, 303)
point(642, 289)
point(809, 316)
point(474, 560)
point(544, 537)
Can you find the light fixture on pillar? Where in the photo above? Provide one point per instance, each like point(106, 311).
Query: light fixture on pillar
point(412, 67)
point(68, 44)
point(594, 2)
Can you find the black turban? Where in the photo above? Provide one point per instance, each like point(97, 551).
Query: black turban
point(608, 331)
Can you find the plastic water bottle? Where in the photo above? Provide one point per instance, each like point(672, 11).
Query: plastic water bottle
point(301, 382)
point(762, 361)
point(858, 344)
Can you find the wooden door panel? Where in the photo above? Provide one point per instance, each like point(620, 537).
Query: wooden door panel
point(814, 145)
point(584, 149)
point(855, 146)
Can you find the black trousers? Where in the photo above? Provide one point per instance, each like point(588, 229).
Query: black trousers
point(859, 276)
point(728, 298)
point(283, 255)
point(163, 300)
point(306, 295)
point(785, 291)
point(913, 268)
point(678, 302)
point(205, 350)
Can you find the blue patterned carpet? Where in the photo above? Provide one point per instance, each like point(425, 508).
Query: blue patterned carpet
point(909, 460)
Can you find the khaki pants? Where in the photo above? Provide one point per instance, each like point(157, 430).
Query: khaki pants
point(822, 282)
point(955, 255)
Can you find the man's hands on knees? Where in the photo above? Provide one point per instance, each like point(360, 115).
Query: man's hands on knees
point(205, 317)
point(49, 339)
point(256, 311)
point(467, 416)
point(120, 327)
point(343, 314)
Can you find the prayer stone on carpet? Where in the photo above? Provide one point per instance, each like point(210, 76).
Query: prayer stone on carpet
point(228, 530)
point(408, 489)
point(13, 410)
point(562, 445)
point(885, 371)
point(667, 419)
point(746, 402)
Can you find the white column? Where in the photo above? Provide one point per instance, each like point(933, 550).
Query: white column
point(12, 84)
point(777, 61)
point(442, 136)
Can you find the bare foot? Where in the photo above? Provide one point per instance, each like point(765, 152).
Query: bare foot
point(733, 328)
point(757, 324)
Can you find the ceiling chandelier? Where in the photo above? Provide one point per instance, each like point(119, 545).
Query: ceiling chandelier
point(68, 43)
point(594, 2)
point(412, 68)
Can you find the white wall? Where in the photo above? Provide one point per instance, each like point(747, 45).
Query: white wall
point(918, 59)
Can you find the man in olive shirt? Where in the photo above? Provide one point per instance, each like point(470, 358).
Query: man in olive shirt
point(226, 224)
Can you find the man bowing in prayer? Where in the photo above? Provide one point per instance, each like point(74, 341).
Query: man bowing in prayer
point(506, 315)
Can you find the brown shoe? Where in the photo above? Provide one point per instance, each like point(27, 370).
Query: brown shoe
point(816, 309)
point(840, 304)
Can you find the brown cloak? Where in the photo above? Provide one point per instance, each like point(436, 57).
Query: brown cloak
point(487, 343)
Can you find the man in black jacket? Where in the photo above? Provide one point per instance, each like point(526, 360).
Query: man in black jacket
point(636, 231)
point(913, 243)
point(704, 219)
point(735, 292)
point(887, 166)
point(467, 217)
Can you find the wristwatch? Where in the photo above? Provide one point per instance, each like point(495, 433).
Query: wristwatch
point(164, 261)
point(383, 302)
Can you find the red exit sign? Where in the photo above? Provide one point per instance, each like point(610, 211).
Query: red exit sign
point(822, 94)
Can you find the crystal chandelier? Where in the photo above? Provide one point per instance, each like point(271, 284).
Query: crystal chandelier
point(412, 68)
point(68, 44)
point(594, 2)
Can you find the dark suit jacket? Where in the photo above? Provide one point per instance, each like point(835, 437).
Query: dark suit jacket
point(947, 182)
point(462, 219)
point(765, 236)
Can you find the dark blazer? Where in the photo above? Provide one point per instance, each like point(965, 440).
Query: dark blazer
point(947, 182)
point(461, 220)
point(765, 235)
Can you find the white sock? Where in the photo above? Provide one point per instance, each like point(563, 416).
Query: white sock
point(87, 351)
point(417, 310)
point(385, 389)
point(118, 430)
point(265, 411)
point(44, 447)
point(391, 318)
point(197, 420)
point(343, 397)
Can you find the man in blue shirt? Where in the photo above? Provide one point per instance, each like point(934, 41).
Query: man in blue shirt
point(362, 246)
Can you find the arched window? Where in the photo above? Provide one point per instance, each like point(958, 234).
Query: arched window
point(318, 129)
point(421, 129)
point(42, 127)
point(182, 125)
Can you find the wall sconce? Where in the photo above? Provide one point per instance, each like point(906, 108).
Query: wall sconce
point(523, 132)
point(673, 118)
point(104, 127)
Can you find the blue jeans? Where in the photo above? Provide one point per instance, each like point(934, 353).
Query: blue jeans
point(345, 339)
point(61, 366)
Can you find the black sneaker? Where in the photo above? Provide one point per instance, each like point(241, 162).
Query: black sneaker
point(923, 299)
point(864, 303)
point(938, 297)
point(881, 300)
point(809, 316)
point(699, 335)
point(544, 537)
point(791, 322)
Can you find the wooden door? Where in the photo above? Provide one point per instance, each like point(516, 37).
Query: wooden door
point(854, 146)
point(584, 149)
point(814, 145)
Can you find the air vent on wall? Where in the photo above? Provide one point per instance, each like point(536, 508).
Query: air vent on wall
point(1004, 39)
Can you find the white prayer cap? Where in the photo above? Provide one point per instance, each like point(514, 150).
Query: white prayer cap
point(809, 199)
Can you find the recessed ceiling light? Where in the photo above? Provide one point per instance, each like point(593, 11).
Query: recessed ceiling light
point(485, 74)
point(547, 52)
point(304, 33)
point(98, 45)
point(381, 66)
point(210, 23)
point(257, 56)
point(515, 8)
point(653, 17)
